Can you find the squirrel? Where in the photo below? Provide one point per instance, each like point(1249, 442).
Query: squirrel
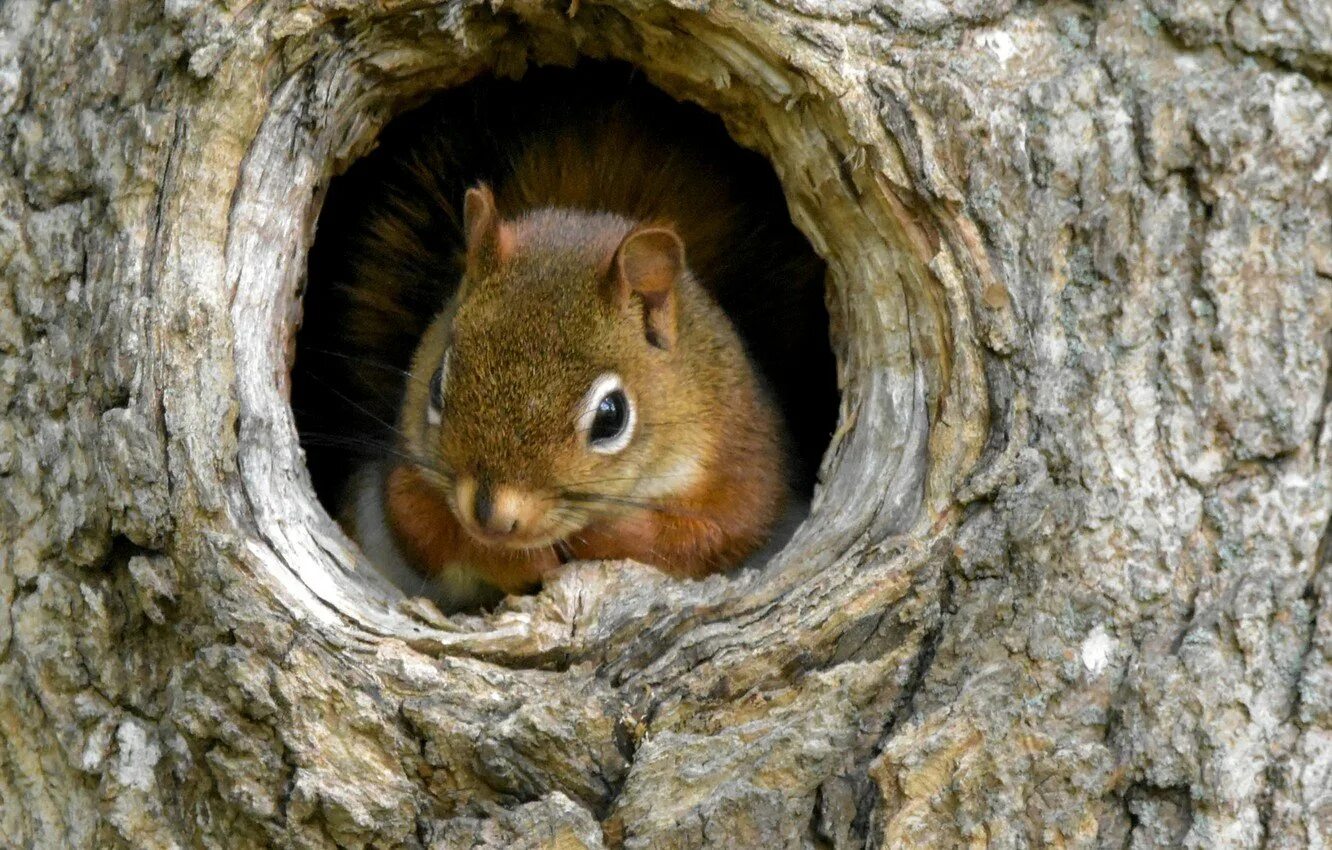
point(577, 391)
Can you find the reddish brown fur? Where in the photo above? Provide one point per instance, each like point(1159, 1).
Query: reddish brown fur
point(567, 199)
point(710, 531)
point(528, 320)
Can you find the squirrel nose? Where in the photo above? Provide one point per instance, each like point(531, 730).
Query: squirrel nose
point(497, 510)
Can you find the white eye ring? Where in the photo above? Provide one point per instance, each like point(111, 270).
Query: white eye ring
point(435, 391)
point(605, 385)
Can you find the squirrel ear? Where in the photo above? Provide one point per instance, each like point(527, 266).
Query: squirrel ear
point(488, 240)
point(648, 263)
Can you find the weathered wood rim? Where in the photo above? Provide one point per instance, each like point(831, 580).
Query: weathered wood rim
point(914, 409)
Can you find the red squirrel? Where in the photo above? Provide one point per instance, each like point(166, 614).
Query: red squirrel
point(580, 394)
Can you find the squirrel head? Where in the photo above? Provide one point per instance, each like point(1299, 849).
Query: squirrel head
point(579, 374)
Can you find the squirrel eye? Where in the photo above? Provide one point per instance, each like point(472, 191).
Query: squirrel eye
point(435, 411)
point(608, 416)
point(612, 415)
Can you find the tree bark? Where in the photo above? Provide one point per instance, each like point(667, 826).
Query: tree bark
point(1064, 582)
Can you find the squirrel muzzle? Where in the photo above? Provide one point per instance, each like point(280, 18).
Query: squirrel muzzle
point(501, 514)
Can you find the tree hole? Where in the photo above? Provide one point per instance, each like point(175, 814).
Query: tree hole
point(388, 254)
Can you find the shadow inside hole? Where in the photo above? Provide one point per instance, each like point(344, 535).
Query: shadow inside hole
point(356, 341)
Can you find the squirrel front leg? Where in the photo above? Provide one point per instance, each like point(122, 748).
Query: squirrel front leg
point(683, 546)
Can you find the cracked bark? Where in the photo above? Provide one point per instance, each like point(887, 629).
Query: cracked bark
point(1064, 582)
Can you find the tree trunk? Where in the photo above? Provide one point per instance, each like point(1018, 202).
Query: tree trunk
point(1063, 584)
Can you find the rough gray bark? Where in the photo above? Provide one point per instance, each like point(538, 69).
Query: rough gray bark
point(1064, 583)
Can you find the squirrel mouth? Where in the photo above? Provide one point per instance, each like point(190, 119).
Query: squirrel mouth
point(517, 542)
point(559, 545)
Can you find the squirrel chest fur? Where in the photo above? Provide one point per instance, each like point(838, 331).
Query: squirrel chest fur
point(580, 394)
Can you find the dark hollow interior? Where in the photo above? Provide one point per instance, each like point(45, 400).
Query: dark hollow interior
point(467, 135)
